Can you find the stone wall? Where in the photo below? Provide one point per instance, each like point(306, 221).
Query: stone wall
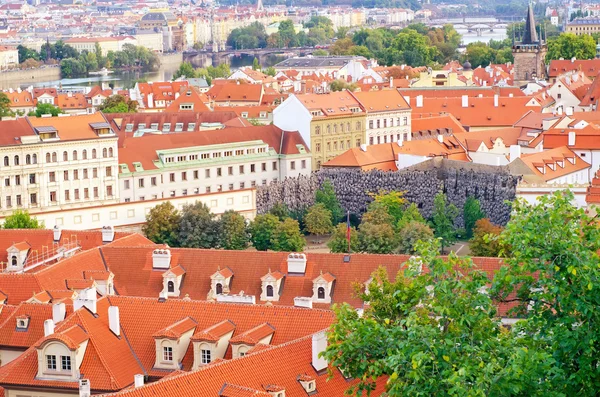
point(420, 183)
point(17, 78)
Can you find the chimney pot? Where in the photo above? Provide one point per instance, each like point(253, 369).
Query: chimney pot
point(58, 312)
point(319, 344)
point(48, 327)
point(465, 101)
point(114, 321)
point(138, 380)
point(572, 137)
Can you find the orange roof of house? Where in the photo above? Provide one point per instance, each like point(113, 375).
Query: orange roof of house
point(174, 331)
point(13, 130)
point(420, 124)
point(71, 127)
point(20, 99)
point(214, 332)
point(590, 67)
point(331, 104)
point(458, 92)
point(254, 335)
point(238, 391)
point(71, 102)
point(144, 149)
point(381, 101)
point(473, 140)
point(72, 337)
point(587, 138)
point(480, 112)
point(11, 336)
point(188, 96)
point(278, 365)
point(554, 163)
point(233, 92)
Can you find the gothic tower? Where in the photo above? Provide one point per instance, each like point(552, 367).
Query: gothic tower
point(529, 53)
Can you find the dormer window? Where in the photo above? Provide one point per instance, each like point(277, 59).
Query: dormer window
point(22, 323)
point(220, 282)
point(269, 291)
point(321, 293)
point(167, 353)
point(170, 286)
point(219, 288)
point(205, 356)
point(102, 129)
point(308, 383)
point(271, 286)
point(323, 288)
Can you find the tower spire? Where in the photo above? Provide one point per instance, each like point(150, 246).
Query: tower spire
point(530, 35)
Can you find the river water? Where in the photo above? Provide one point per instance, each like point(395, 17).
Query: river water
point(128, 79)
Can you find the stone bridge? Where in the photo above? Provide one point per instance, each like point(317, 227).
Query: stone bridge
point(201, 57)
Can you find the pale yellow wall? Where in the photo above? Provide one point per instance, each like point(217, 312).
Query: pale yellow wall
point(7, 356)
point(320, 151)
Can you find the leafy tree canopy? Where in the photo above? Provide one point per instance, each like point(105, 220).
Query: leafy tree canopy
point(326, 196)
point(234, 233)
point(162, 224)
point(318, 220)
point(262, 230)
point(22, 220)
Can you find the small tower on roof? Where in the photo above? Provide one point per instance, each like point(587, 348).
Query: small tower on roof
point(529, 53)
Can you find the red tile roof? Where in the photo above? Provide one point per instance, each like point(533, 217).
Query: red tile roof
point(214, 332)
point(254, 335)
point(381, 101)
point(554, 163)
point(591, 67)
point(174, 331)
point(233, 92)
point(12, 337)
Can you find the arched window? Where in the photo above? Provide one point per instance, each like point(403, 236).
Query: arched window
point(74, 154)
point(329, 129)
point(335, 128)
point(65, 156)
point(348, 126)
point(270, 291)
point(16, 160)
point(318, 129)
point(28, 159)
point(84, 154)
point(54, 157)
point(14, 261)
point(358, 125)
point(48, 159)
point(170, 286)
point(110, 152)
point(93, 153)
point(342, 127)
point(219, 289)
point(34, 158)
point(321, 293)
point(104, 153)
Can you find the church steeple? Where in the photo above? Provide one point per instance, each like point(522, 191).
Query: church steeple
point(530, 35)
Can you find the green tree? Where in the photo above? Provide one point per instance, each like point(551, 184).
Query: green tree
point(287, 34)
point(442, 220)
point(568, 45)
point(280, 210)
point(341, 46)
point(340, 85)
point(377, 239)
point(553, 271)
point(118, 104)
point(70, 67)
point(410, 234)
point(485, 241)
point(339, 239)
point(47, 108)
point(393, 202)
point(410, 214)
point(256, 64)
point(270, 71)
point(318, 220)
point(342, 32)
point(320, 53)
point(185, 70)
point(262, 230)
point(5, 106)
point(471, 213)
point(287, 236)
point(433, 334)
point(326, 196)
point(162, 224)
point(234, 233)
point(20, 219)
point(479, 54)
point(27, 53)
point(198, 227)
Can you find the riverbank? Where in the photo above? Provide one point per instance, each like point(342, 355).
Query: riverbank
point(17, 78)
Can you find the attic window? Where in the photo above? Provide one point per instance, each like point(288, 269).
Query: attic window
point(128, 127)
point(141, 126)
point(191, 126)
point(166, 127)
point(154, 126)
point(178, 127)
point(22, 322)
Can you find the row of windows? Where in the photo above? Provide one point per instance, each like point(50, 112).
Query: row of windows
point(336, 145)
point(51, 364)
point(385, 139)
point(214, 155)
point(53, 157)
point(343, 127)
point(185, 175)
point(75, 174)
point(8, 200)
point(207, 189)
point(76, 195)
point(384, 122)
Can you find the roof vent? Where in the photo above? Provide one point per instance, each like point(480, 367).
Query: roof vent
point(108, 234)
point(296, 263)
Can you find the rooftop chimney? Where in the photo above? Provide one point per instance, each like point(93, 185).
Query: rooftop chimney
point(363, 147)
point(301, 301)
point(161, 259)
point(84, 388)
point(48, 327)
point(57, 233)
point(515, 152)
point(87, 298)
point(569, 111)
point(465, 101)
point(114, 322)
point(319, 344)
point(108, 234)
point(58, 312)
point(571, 138)
point(391, 82)
point(419, 101)
point(296, 263)
point(496, 100)
point(138, 380)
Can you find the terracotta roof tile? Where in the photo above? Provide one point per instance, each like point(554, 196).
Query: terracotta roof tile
point(254, 335)
point(174, 331)
point(215, 332)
